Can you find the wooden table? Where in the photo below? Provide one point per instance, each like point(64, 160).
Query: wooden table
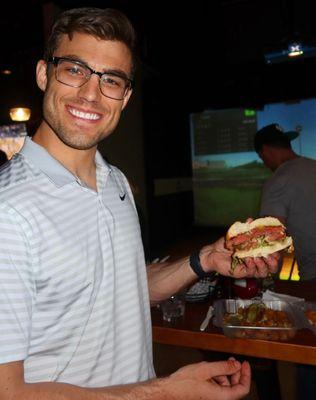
point(300, 349)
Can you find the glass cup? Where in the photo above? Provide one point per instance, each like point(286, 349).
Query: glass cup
point(173, 308)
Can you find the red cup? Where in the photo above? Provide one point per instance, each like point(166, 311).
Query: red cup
point(245, 288)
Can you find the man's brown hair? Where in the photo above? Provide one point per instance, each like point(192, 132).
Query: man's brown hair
point(106, 24)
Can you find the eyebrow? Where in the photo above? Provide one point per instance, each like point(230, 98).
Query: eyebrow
point(115, 71)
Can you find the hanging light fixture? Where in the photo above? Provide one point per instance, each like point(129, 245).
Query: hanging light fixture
point(20, 114)
point(295, 49)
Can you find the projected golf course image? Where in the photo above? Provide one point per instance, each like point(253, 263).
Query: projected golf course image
point(223, 194)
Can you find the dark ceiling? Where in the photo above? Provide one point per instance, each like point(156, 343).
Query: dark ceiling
point(202, 54)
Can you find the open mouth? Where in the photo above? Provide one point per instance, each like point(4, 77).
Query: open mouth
point(88, 116)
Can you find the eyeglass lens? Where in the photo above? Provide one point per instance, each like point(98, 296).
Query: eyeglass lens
point(75, 75)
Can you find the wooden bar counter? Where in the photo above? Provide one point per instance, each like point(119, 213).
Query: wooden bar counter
point(185, 332)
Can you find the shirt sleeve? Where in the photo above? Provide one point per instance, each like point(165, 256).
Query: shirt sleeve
point(16, 286)
point(275, 197)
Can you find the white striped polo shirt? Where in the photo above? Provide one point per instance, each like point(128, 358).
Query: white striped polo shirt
point(73, 288)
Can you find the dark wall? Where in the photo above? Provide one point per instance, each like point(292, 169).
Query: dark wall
point(167, 157)
point(21, 27)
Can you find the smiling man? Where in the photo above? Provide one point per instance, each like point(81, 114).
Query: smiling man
point(74, 289)
point(79, 119)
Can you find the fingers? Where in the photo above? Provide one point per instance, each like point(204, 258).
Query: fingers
point(239, 388)
point(235, 378)
point(207, 371)
point(222, 380)
point(218, 380)
point(245, 376)
point(273, 260)
point(220, 368)
point(246, 268)
point(231, 372)
point(260, 267)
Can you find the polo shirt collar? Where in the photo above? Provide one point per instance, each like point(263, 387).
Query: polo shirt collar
point(51, 167)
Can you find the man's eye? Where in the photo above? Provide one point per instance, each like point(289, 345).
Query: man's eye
point(75, 71)
point(112, 81)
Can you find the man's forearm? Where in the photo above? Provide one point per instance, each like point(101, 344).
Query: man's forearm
point(191, 382)
point(62, 391)
point(168, 278)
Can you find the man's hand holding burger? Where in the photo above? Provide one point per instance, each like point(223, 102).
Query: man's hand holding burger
point(216, 257)
point(250, 249)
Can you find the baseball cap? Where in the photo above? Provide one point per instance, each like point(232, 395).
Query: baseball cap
point(273, 134)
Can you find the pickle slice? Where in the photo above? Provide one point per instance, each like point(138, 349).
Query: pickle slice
point(234, 264)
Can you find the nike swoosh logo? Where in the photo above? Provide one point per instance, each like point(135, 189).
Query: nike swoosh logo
point(122, 197)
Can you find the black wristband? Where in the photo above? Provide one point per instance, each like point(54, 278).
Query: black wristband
point(195, 264)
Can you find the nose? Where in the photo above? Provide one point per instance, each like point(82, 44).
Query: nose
point(90, 91)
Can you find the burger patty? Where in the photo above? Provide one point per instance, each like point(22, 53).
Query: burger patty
point(249, 240)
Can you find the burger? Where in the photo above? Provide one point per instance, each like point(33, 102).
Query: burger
point(258, 238)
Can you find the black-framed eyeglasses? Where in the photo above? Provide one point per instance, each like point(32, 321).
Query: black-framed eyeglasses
point(75, 74)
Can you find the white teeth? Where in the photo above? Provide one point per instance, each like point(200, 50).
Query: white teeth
point(83, 115)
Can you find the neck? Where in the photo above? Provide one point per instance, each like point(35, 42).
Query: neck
point(288, 155)
point(80, 162)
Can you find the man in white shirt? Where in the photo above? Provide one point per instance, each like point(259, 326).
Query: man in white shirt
point(74, 287)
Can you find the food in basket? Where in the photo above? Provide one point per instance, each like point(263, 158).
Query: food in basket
point(258, 315)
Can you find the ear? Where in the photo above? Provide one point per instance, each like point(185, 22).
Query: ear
point(126, 98)
point(41, 75)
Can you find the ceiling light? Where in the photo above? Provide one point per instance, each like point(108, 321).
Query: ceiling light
point(295, 50)
point(20, 114)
